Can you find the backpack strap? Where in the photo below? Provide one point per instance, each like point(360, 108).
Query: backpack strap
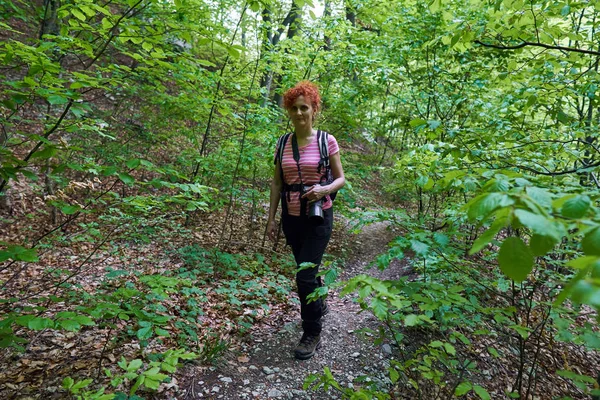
point(281, 142)
point(280, 146)
point(323, 141)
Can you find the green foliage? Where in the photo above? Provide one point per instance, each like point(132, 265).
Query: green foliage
point(133, 375)
point(135, 123)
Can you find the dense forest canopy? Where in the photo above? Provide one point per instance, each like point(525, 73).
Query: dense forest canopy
point(131, 127)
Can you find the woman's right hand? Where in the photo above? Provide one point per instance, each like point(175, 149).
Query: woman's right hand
point(272, 229)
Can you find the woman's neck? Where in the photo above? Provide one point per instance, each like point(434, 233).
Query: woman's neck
point(304, 133)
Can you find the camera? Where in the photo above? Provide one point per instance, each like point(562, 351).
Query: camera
point(315, 209)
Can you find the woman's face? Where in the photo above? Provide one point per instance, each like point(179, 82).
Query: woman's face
point(301, 113)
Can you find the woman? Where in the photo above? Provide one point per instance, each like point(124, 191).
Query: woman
point(302, 183)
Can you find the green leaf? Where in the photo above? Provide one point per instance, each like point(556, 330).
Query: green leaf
point(419, 248)
point(435, 5)
point(575, 376)
point(126, 178)
point(38, 323)
point(139, 381)
point(591, 242)
point(484, 204)
point(134, 365)
point(84, 320)
point(87, 10)
point(151, 383)
point(233, 52)
point(107, 24)
point(449, 349)
point(23, 320)
point(490, 234)
point(68, 210)
point(8, 103)
point(493, 352)
point(441, 239)
point(56, 99)
point(144, 333)
point(134, 163)
point(161, 332)
point(255, 6)
point(411, 320)
point(463, 388)
point(379, 308)
point(27, 255)
point(576, 207)
point(45, 153)
point(330, 276)
point(540, 245)
point(538, 224)
point(29, 175)
point(69, 324)
point(67, 383)
point(481, 392)
point(515, 259)
point(540, 196)
point(78, 14)
point(81, 385)
point(523, 331)
point(582, 291)
point(417, 122)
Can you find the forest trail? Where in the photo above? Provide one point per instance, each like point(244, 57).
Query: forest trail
point(263, 366)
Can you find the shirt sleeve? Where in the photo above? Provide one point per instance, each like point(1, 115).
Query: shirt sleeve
point(333, 145)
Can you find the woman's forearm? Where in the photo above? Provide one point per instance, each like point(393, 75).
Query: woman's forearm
point(274, 200)
point(336, 185)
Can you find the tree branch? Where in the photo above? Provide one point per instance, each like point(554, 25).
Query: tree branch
point(557, 173)
point(537, 44)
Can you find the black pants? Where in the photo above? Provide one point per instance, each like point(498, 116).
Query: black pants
point(308, 242)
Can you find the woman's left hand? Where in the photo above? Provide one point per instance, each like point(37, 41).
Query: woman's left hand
point(315, 193)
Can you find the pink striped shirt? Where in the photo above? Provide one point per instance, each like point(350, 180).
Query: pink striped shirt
point(309, 161)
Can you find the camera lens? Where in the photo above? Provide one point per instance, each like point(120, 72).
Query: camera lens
point(315, 211)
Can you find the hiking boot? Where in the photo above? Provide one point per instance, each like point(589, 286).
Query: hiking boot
point(307, 347)
point(324, 308)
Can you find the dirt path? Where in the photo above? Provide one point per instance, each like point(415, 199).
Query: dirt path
point(263, 366)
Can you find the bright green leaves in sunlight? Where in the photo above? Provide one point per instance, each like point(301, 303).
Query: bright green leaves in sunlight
point(515, 259)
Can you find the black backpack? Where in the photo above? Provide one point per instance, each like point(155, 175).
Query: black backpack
point(323, 141)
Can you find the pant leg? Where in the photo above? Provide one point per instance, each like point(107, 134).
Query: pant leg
point(309, 242)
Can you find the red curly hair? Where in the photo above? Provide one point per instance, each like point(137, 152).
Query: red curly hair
point(309, 90)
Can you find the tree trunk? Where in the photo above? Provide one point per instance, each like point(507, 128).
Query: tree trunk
point(50, 20)
point(326, 15)
point(5, 203)
point(295, 19)
point(292, 21)
point(350, 12)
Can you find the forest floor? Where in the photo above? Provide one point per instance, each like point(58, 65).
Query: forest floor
point(258, 363)
point(262, 364)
